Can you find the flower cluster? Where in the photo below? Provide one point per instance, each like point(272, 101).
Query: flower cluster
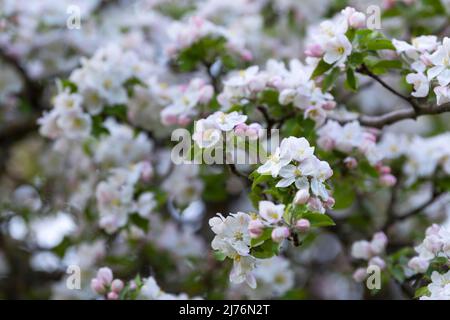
point(371, 252)
point(424, 156)
point(150, 290)
point(435, 244)
point(104, 284)
point(294, 161)
point(184, 102)
point(100, 82)
point(348, 138)
point(232, 239)
point(429, 59)
point(209, 132)
point(115, 197)
point(439, 288)
point(293, 84)
point(129, 148)
point(329, 41)
point(274, 277)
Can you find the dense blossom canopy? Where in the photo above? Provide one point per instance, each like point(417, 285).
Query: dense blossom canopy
point(317, 162)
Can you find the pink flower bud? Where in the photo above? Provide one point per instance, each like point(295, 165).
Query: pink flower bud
point(146, 171)
point(388, 180)
point(350, 162)
point(97, 286)
point(384, 170)
point(184, 120)
point(388, 4)
point(314, 51)
point(377, 261)
point(303, 225)
point(117, 285)
point(255, 228)
point(360, 274)
point(378, 243)
point(240, 129)
point(315, 205)
point(357, 20)
point(329, 105)
point(280, 233)
point(361, 250)
point(169, 119)
point(326, 143)
point(253, 131)
point(132, 285)
point(301, 197)
point(112, 296)
point(329, 203)
point(418, 264)
point(206, 94)
point(247, 55)
point(105, 275)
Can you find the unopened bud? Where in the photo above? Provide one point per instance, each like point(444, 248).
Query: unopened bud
point(303, 225)
point(280, 233)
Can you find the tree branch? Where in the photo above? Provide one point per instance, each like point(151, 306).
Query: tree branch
point(402, 114)
point(392, 219)
point(412, 101)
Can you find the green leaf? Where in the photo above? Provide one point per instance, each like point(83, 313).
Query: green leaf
point(330, 79)
point(356, 58)
point(388, 64)
point(261, 179)
point(423, 291)
point(67, 84)
point(397, 273)
point(219, 255)
point(351, 80)
point(368, 169)
point(267, 250)
point(267, 234)
point(318, 219)
point(380, 44)
point(321, 68)
point(140, 222)
point(344, 195)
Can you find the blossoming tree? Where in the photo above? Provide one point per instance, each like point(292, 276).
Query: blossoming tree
point(318, 163)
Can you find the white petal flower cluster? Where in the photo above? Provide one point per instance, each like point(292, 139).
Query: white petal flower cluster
point(424, 156)
point(101, 78)
point(328, 40)
point(294, 161)
point(347, 138)
point(293, 85)
point(233, 240)
point(127, 149)
point(274, 277)
point(67, 119)
point(183, 184)
point(185, 99)
point(365, 250)
point(151, 291)
point(435, 244)
point(209, 132)
point(430, 60)
point(439, 287)
point(116, 198)
point(183, 35)
point(99, 82)
point(370, 252)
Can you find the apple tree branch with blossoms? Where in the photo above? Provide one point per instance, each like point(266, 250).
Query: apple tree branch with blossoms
point(339, 109)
